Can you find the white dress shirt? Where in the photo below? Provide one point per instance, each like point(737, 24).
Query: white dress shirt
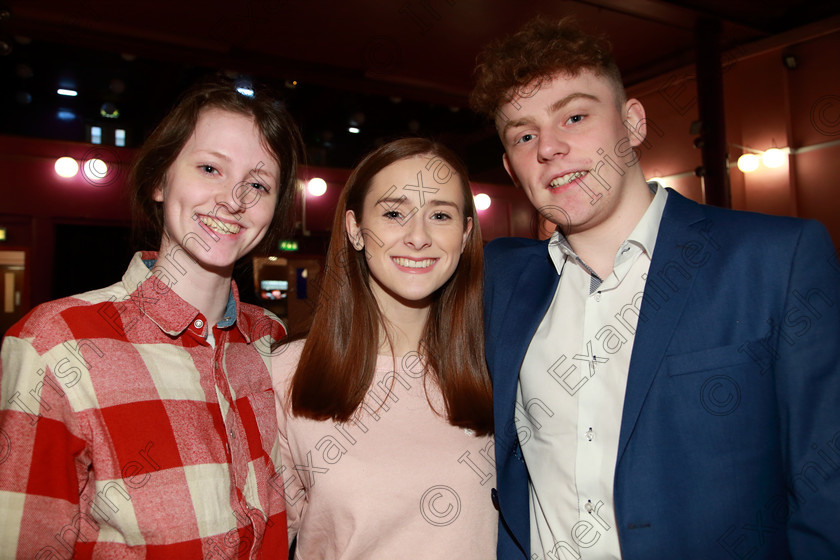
point(571, 394)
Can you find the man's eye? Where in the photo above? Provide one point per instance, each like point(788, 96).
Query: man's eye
point(576, 118)
point(525, 138)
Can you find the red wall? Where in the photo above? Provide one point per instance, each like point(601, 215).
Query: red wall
point(766, 104)
point(35, 199)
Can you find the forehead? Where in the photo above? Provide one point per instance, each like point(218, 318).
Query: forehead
point(543, 92)
point(230, 133)
point(420, 177)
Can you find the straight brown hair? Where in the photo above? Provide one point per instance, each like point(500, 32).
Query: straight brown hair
point(336, 368)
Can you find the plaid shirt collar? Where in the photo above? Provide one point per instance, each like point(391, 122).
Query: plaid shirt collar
point(165, 308)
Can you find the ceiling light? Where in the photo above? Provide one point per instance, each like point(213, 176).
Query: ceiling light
point(95, 169)
point(748, 163)
point(67, 92)
point(353, 130)
point(774, 157)
point(482, 201)
point(66, 167)
point(316, 186)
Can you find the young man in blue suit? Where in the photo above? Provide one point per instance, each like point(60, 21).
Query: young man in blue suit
point(666, 374)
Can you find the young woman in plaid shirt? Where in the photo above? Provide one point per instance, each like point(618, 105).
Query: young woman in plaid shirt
point(140, 417)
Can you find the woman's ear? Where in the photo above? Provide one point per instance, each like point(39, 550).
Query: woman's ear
point(354, 232)
point(157, 194)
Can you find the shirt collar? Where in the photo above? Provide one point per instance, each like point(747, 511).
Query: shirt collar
point(154, 297)
point(643, 235)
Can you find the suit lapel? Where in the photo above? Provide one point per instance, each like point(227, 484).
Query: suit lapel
point(532, 291)
point(666, 293)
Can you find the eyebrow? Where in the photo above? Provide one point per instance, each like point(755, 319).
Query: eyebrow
point(214, 153)
point(553, 108)
point(390, 202)
point(259, 169)
point(437, 202)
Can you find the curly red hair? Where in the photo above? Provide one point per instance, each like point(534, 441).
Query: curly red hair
point(537, 52)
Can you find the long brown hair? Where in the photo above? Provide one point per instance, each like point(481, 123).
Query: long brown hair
point(337, 365)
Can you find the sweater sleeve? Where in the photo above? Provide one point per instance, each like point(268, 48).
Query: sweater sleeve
point(283, 365)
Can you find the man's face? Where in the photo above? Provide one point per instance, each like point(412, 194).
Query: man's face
point(568, 144)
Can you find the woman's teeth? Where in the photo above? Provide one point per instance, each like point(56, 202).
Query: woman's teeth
point(219, 226)
point(410, 263)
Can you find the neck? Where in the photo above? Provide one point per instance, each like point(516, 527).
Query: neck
point(598, 245)
point(206, 290)
point(405, 325)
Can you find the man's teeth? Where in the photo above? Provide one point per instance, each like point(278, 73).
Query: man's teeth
point(219, 226)
point(410, 263)
point(565, 179)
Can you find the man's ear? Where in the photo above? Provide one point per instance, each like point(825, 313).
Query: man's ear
point(634, 120)
point(509, 170)
point(354, 232)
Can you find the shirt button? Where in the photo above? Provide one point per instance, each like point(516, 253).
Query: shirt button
point(198, 323)
point(588, 507)
point(597, 296)
point(232, 434)
point(590, 435)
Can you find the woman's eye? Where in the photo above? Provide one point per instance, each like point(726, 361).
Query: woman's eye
point(441, 216)
point(259, 186)
point(207, 168)
point(392, 214)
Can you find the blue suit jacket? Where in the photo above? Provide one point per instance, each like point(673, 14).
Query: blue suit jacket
point(730, 434)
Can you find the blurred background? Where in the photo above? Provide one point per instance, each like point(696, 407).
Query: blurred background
point(88, 80)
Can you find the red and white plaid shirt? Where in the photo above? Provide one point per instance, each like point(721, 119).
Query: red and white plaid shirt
point(125, 434)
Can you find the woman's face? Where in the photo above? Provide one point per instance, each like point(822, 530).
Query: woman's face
point(412, 229)
point(220, 193)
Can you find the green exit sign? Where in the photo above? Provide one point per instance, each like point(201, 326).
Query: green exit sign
point(287, 245)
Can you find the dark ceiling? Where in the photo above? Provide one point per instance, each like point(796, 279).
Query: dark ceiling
point(393, 67)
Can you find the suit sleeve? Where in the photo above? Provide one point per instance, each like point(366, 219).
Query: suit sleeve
point(808, 387)
point(43, 458)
